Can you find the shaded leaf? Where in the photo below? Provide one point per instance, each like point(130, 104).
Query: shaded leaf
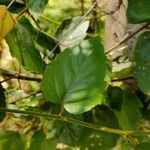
point(39, 142)
point(10, 140)
point(128, 111)
point(2, 102)
point(47, 42)
point(143, 146)
point(77, 77)
point(71, 32)
point(6, 22)
point(138, 11)
point(15, 7)
point(96, 140)
point(63, 132)
point(142, 62)
point(21, 44)
point(36, 7)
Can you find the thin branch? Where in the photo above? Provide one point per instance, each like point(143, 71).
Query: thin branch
point(127, 37)
point(18, 76)
point(78, 122)
point(49, 20)
point(122, 79)
point(10, 4)
point(22, 12)
point(25, 97)
point(35, 21)
point(82, 7)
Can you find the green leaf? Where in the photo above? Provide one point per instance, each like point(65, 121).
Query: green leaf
point(128, 108)
point(46, 41)
point(39, 142)
point(2, 102)
point(36, 7)
point(77, 77)
point(142, 62)
point(21, 44)
point(96, 140)
point(143, 146)
point(71, 32)
point(63, 132)
point(138, 11)
point(125, 146)
point(10, 140)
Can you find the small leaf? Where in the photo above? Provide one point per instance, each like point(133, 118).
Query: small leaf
point(71, 32)
point(141, 62)
point(2, 102)
point(21, 44)
point(138, 11)
point(36, 7)
point(6, 22)
point(128, 111)
point(10, 140)
point(46, 41)
point(77, 77)
point(39, 142)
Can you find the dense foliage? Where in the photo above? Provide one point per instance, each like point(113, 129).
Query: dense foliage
point(68, 93)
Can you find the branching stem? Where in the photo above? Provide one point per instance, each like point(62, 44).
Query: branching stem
point(78, 122)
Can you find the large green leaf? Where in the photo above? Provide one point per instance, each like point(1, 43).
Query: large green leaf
point(71, 32)
point(96, 140)
point(10, 140)
point(142, 62)
point(138, 11)
point(128, 108)
point(77, 77)
point(39, 142)
point(21, 44)
point(2, 102)
point(36, 7)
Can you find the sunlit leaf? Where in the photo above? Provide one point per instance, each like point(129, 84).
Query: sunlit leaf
point(138, 11)
point(71, 32)
point(141, 62)
point(6, 22)
point(10, 140)
point(77, 77)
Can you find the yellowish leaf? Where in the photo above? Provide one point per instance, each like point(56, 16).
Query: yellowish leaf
point(6, 22)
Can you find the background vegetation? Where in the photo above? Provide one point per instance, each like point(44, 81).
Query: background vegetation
point(61, 89)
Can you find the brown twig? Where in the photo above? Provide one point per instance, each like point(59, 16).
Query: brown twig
point(82, 7)
point(127, 38)
point(21, 77)
point(123, 79)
